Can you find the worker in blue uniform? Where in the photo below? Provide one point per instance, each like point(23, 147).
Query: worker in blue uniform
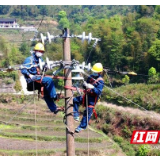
point(35, 81)
point(93, 93)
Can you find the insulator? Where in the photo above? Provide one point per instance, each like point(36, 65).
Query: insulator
point(50, 37)
point(89, 38)
point(77, 77)
point(43, 38)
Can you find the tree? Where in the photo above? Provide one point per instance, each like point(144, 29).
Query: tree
point(62, 14)
point(153, 76)
point(145, 10)
point(24, 48)
point(43, 10)
point(4, 9)
point(32, 11)
point(154, 54)
point(63, 21)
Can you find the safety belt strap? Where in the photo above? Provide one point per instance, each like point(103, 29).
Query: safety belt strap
point(90, 106)
point(73, 88)
point(94, 111)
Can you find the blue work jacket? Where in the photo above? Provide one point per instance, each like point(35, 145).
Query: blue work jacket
point(32, 60)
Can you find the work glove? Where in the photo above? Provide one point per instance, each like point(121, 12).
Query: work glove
point(87, 85)
point(33, 77)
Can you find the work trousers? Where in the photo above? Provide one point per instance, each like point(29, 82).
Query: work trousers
point(77, 101)
point(49, 91)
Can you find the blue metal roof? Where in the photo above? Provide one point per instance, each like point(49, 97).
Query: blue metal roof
point(7, 19)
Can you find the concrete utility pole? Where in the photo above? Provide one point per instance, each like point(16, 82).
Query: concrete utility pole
point(68, 93)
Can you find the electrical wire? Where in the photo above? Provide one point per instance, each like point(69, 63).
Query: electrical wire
point(35, 116)
point(87, 120)
point(89, 55)
point(118, 94)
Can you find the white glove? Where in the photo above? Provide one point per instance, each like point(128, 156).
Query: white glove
point(87, 85)
point(33, 77)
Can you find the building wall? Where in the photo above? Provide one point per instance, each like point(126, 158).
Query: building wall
point(9, 25)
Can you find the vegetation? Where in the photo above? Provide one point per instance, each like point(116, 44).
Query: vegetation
point(140, 96)
point(130, 41)
point(119, 124)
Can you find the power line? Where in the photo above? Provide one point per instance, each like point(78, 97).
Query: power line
point(119, 94)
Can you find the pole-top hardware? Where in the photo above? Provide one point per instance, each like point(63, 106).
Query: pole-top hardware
point(89, 38)
point(77, 71)
point(50, 38)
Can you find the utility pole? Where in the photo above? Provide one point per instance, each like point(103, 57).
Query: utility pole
point(68, 93)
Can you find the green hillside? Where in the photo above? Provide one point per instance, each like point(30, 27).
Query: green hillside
point(36, 131)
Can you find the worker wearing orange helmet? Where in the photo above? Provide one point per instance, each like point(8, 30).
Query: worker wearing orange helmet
point(35, 81)
point(96, 81)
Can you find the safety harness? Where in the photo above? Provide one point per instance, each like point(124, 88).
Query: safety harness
point(41, 91)
point(40, 87)
point(92, 81)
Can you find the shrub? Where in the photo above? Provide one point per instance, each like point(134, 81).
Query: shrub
point(126, 79)
point(126, 132)
point(153, 76)
point(8, 81)
point(17, 86)
point(118, 139)
point(125, 145)
point(143, 150)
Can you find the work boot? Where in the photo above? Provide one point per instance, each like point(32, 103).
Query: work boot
point(59, 109)
point(76, 119)
point(78, 129)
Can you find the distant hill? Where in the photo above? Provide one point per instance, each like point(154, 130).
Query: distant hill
point(77, 13)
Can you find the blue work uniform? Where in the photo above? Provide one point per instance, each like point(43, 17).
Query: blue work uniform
point(93, 97)
point(46, 82)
